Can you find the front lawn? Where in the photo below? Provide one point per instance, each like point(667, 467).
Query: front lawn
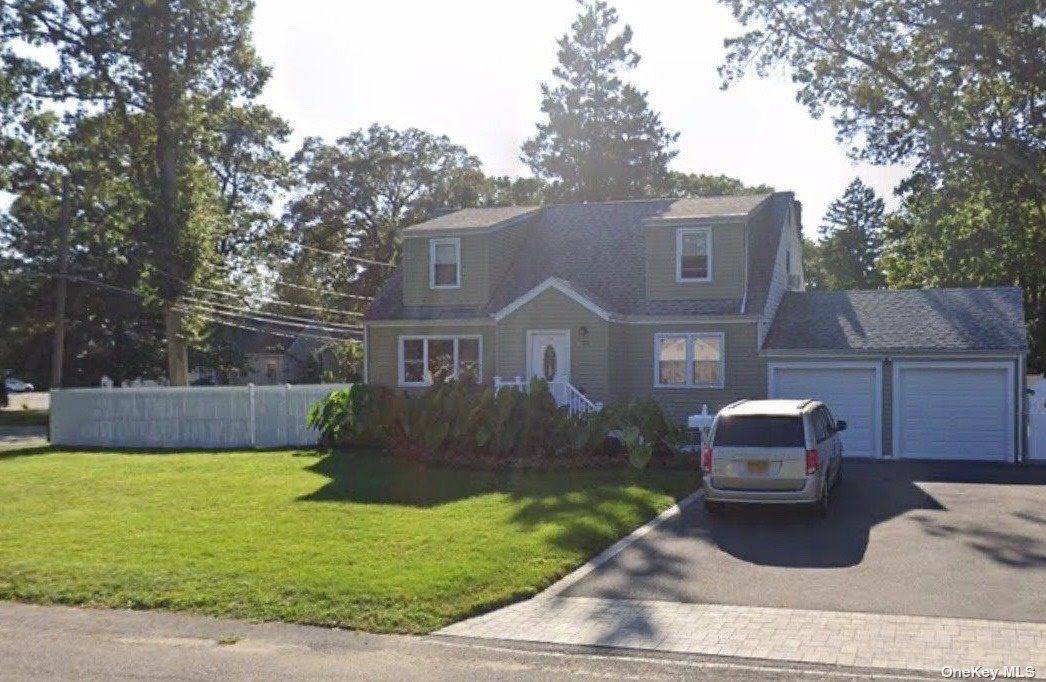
point(360, 541)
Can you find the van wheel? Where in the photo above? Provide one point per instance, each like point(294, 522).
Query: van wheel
point(712, 508)
point(839, 473)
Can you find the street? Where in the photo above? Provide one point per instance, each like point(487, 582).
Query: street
point(61, 643)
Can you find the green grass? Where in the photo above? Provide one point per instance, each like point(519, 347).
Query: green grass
point(359, 541)
point(19, 417)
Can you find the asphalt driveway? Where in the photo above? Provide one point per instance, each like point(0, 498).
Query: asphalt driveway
point(916, 538)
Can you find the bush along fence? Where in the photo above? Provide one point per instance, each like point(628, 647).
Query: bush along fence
point(198, 417)
point(472, 425)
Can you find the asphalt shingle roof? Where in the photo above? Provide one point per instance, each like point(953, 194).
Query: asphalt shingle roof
point(901, 320)
point(472, 219)
point(598, 249)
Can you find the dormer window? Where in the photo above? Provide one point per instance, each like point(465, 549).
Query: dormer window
point(693, 254)
point(445, 263)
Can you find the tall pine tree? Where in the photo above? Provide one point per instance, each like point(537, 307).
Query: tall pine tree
point(601, 140)
point(847, 256)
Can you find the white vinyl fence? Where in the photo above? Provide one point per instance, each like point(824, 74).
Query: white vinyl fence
point(194, 417)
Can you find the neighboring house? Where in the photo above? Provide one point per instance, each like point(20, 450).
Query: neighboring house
point(698, 301)
point(277, 356)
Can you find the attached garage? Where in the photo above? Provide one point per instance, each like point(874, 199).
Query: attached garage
point(916, 374)
point(954, 410)
point(852, 391)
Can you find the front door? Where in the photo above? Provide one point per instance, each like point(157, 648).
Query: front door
point(548, 355)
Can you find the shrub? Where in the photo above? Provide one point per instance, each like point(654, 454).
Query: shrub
point(462, 422)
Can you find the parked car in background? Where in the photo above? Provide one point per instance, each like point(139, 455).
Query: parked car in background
point(773, 451)
point(14, 385)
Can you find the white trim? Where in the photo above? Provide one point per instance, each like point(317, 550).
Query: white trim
point(680, 233)
point(400, 378)
point(689, 337)
point(551, 283)
point(435, 322)
point(942, 355)
point(877, 366)
point(946, 364)
point(644, 320)
point(530, 350)
point(434, 243)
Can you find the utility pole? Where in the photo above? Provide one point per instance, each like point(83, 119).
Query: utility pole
point(64, 228)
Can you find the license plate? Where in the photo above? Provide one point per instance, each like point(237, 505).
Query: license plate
point(758, 466)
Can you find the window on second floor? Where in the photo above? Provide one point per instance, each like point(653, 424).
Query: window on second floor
point(445, 263)
point(693, 254)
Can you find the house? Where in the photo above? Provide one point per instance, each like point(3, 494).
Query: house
point(698, 301)
point(281, 355)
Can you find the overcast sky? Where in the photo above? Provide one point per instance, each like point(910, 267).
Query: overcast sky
point(471, 69)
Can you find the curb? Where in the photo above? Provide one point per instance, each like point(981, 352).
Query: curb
point(613, 550)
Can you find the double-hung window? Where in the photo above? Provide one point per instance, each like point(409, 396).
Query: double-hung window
point(445, 263)
point(693, 254)
point(689, 360)
point(427, 360)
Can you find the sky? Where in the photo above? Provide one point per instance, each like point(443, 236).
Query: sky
point(472, 69)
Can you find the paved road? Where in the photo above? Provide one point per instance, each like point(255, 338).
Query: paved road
point(58, 643)
point(922, 539)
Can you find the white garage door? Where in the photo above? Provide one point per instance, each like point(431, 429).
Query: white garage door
point(957, 411)
point(850, 390)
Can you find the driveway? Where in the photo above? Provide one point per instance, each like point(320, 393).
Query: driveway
point(945, 539)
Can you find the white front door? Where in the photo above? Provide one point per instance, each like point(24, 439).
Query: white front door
point(548, 355)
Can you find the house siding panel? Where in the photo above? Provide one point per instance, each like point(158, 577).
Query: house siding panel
point(475, 275)
point(553, 310)
point(632, 351)
point(383, 348)
point(728, 249)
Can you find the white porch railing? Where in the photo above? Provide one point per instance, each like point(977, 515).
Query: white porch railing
point(563, 392)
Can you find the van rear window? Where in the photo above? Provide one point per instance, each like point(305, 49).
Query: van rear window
point(754, 431)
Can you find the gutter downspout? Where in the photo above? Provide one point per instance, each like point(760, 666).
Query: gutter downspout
point(744, 297)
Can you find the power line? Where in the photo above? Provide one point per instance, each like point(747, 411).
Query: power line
point(276, 301)
point(305, 323)
point(274, 316)
point(227, 323)
point(346, 256)
point(278, 283)
point(275, 321)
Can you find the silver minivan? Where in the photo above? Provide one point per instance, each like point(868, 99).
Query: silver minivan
point(772, 452)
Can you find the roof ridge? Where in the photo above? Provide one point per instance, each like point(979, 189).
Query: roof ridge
point(606, 202)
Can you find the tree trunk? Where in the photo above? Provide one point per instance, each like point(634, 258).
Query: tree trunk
point(177, 351)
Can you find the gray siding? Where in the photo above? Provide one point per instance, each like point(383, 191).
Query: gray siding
point(728, 250)
point(475, 276)
point(632, 368)
point(553, 310)
point(383, 348)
